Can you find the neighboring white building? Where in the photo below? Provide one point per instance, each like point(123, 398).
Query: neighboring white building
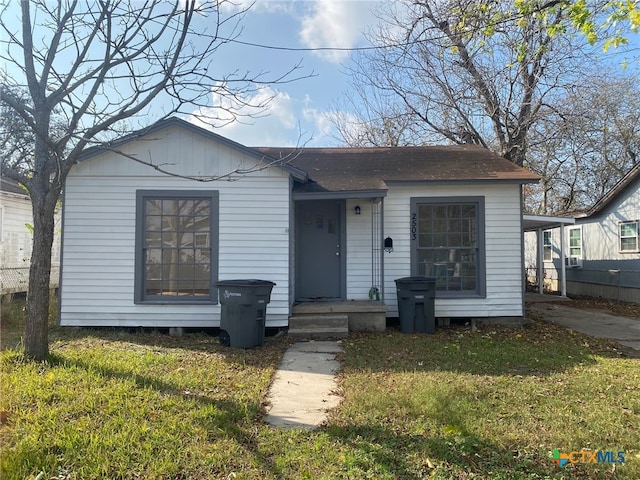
point(142, 248)
point(16, 239)
point(601, 250)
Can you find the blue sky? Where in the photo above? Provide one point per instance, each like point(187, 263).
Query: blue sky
point(299, 113)
point(299, 110)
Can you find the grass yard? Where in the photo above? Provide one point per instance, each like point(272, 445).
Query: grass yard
point(491, 404)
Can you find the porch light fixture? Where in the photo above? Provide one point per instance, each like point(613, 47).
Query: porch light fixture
point(388, 245)
point(357, 210)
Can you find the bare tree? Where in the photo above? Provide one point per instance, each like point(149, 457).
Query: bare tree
point(374, 118)
point(587, 143)
point(94, 65)
point(468, 71)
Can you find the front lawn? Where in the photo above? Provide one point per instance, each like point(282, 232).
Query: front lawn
point(489, 404)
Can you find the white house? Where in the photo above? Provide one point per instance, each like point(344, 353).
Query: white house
point(143, 248)
point(16, 239)
point(601, 248)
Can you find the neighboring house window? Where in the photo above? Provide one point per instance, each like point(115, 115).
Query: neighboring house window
point(546, 245)
point(447, 237)
point(575, 242)
point(176, 246)
point(628, 232)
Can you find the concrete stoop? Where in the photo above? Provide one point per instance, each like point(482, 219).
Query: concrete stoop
point(319, 326)
point(336, 319)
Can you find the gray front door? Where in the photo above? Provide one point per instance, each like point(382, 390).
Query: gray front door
point(319, 250)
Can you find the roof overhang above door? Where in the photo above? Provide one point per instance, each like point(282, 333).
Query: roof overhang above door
point(341, 195)
point(544, 222)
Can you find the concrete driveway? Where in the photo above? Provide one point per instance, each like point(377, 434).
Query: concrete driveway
point(595, 323)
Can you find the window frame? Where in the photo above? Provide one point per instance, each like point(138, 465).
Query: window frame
point(570, 255)
point(481, 277)
point(139, 290)
point(637, 236)
point(547, 247)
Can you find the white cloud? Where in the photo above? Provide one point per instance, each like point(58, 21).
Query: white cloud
point(321, 122)
point(274, 125)
point(257, 6)
point(336, 24)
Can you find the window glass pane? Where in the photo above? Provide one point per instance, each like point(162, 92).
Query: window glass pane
point(455, 240)
point(169, 207)
point(629, 229)
point(153, 207)
point(546, 240)
point(169, 223)
point(185, 224)
point(169, 288)
point(201, 287)
point(629, 244)
point(453, 211)
point(440, 238)
point(425, 240)
point(454, 225)
point(187, 255)
point(185, 271)
point(177, 247)
point(153, 223)
point(446, 246)
point(424, 226)
point(201, 224)
point(186, 239)
point(201, 240)
point(575, 236)
point(153, 239)
point(575, 242)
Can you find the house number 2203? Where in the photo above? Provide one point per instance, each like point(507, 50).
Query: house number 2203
point(414, 226)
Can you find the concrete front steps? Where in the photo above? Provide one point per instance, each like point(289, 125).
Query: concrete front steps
point(336, 319)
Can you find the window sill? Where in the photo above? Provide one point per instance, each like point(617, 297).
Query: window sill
point(458, 296)
point(176, 302)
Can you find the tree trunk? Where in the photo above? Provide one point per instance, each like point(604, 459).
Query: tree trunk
point(36, 334)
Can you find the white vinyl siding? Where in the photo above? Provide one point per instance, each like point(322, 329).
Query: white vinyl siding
point(16, 237)
point(99, 239)
point(359, 251)
point(16, 243)
point(600, 235)
point(503, 252)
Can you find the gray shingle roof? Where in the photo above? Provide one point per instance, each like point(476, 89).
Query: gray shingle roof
point(356, 169)
point(11, 186)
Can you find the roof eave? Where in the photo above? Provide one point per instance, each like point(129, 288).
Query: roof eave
point(611, 195)
point(339, 194)
point(517, 181)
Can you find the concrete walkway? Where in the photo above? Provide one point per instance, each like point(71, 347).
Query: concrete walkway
point(590, 322)
point(304, 388)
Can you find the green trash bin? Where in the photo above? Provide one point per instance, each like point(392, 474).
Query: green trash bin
point(243, 311)
point(416, 304)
